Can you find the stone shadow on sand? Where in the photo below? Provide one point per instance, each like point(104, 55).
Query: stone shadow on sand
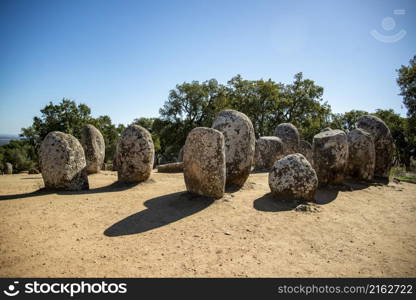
point(270, 203)
point(114, 187)
point(160, 211)
point(324, 195)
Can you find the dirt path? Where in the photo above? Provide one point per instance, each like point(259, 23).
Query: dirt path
point(156, 229)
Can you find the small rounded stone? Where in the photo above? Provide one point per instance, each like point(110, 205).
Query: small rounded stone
point(289, 135)
point(293, 177)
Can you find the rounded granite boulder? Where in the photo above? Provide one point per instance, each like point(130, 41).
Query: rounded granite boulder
point(361, 155)
point(135, 155)
point(204, 162)
point(330, 156)
point(62, 161)
point(305, 148)
point(94, 147)
point(293, 177)
point(383, 143)
point(289, 135)
point(240, 143)
point(268, 150)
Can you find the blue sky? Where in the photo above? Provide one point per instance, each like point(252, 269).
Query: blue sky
point(122, 57)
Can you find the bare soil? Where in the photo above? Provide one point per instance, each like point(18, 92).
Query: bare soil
point(157, 229)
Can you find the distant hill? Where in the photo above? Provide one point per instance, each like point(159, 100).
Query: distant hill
point(6, 138)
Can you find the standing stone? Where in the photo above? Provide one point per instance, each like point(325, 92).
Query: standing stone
point(204, 165)
point(289, 135)
point(293, 177)
point(268, 150)
point(94, 147)
point(62, 161)
point(330, 156)
point(361, 154)
point(305, 148)
point(326, 129)
point(180, 155)
point(383, 143)
point(174, 167)
point(8, 168)
point(240, 143)
point(135, 155)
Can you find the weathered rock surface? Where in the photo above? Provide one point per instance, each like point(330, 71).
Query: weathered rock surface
point(174, 167)
point(135, 155)
point(62, 161)
point(240, 143)
point(180, 155)
point(330, 156)
point(268, 150)
point(289, 135)
point(305, 148)
point(383, 143)
point(204, 164)
point(34, 171)
point(94, 148)
point(326, 129)
point(293, 177)
point(8, 168)
point(361, 155)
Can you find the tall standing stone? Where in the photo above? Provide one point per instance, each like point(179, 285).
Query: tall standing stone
point(240, 143)
point(383, 143)
point(305, 148)
point(361, 154)
point(94, 147)
point(268, 150)
point(289, 135)
point(135, 155)
point(180, 155)
point(63, 163)
point(8, 168)
point(330, 156)
point(204, 165)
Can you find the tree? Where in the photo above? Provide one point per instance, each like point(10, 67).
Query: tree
point(403, 139)
point(69, 117)
point(17, 152)
point(407, 84)
point(347, 120)
point(111, 134)
point(189, 105)
point(304, 107)
point(149, 123)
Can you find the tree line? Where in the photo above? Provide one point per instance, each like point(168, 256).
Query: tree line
point(191, 104)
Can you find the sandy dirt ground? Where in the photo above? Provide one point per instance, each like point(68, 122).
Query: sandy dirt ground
point(157, 229)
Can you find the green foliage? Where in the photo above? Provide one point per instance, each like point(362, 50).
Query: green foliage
point(149, 124)
point(17, 152)
point(265, 102)
point(189, 105)
point(402, 135)
point(69, 117)
point(347, 120)
point(110, 132)
point(407, 84)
